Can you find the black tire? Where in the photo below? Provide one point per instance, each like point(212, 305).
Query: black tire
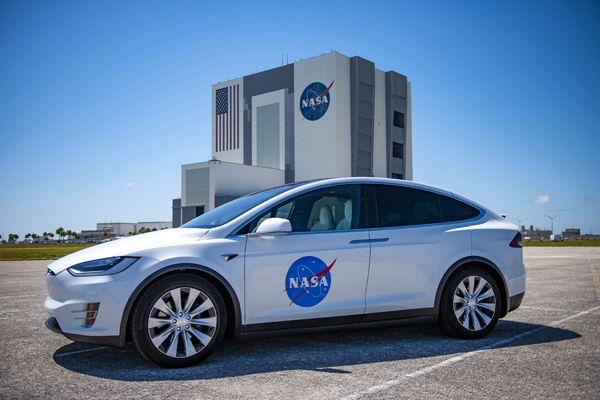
point(448, 320)
point(145, 306)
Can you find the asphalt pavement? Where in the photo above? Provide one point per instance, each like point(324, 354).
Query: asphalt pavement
point(548, 348)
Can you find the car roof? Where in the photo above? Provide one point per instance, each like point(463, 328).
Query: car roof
point(370, 180)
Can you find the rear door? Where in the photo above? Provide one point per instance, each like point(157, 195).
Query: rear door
point(411, 247)
point(318, 270)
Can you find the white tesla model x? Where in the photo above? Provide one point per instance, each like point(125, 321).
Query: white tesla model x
point(332, 252)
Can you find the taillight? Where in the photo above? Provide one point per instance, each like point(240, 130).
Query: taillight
point(517, 241)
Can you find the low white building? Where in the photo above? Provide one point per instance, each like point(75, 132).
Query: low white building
point(327, 116)
point(105, 230)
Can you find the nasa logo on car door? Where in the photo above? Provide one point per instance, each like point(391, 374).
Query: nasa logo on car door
point(308, 281)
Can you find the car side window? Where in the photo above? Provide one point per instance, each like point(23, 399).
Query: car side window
point(468, 211)
point(456, 210)
point(450, 209)
point(404, 206)
point(327, 209)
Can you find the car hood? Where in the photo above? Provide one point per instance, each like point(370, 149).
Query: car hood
point(128, 245)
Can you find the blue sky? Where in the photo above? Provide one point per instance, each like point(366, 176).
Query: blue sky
point(101, 102)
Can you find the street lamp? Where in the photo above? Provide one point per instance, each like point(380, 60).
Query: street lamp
point(520, 222)
point(552, 220)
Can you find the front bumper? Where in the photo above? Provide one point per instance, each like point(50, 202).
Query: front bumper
point(71, 298)
point(52, 324)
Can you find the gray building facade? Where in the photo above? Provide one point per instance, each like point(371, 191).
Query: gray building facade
point(326, 116)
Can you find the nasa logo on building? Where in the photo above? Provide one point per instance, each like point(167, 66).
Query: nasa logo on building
point(315, 100)
point(308, 281)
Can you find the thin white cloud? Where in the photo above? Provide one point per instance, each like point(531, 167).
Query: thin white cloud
point(587, 199)
point(542, 199)
point(131, 184)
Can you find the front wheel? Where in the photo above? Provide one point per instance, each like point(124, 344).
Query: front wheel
point(179, 321)
point(471, 304)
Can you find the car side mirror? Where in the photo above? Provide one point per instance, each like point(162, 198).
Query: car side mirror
point(274, 225)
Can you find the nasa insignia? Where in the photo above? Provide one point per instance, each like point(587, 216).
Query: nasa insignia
point(315, 100)
point(308, 281)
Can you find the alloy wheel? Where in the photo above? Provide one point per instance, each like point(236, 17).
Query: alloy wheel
point(182, 322)
point(474, 303)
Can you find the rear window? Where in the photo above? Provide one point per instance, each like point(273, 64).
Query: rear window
point(468, 211)
point(406, 206)
point(455, 210)
point(402, 206)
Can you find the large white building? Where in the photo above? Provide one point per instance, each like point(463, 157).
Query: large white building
point(327, 116)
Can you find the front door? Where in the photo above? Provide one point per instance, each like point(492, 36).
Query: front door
point(319, 269)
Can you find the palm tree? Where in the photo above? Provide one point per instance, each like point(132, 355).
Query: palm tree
point(68, 233)
point(34, 236)
point(60, 232)
point(27, 235)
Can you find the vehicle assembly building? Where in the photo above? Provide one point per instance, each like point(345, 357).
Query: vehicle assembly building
point(327, 116)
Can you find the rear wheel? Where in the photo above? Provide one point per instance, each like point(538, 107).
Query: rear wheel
point(471, 304)
point(179, 321)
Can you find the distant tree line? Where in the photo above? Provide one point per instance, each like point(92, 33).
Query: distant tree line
point(46, 236)
point(143, 230)
point(62, 235)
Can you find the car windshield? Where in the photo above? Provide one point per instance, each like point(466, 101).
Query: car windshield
point(228, 211)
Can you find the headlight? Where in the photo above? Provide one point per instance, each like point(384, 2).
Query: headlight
point(104, 266)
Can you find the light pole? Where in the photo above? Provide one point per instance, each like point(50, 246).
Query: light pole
point(520, 222)
point(552, 220)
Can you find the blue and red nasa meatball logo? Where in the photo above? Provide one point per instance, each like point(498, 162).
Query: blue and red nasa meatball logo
point(315, 100)
point(308, 281)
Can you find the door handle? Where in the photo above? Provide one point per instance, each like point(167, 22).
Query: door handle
point(378, 240)
point(359, 241)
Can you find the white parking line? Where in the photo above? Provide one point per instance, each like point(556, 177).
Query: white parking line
point(457, 359)
point(19, 296)
point(547, 309)
point(69, 353)
point(542, 257)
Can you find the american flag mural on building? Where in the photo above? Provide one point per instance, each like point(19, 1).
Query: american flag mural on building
point(227, 121)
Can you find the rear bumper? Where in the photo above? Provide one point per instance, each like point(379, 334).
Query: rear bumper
point(515, 301)
point(52, 324)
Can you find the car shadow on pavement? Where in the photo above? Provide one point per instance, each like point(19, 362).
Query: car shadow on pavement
point(324, 352)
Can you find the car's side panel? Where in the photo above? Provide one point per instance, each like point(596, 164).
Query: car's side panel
point(406, 269)
point(210, 254)
point(270, 258)
point(350, 321)
point(491, 238)
point(222, 258)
